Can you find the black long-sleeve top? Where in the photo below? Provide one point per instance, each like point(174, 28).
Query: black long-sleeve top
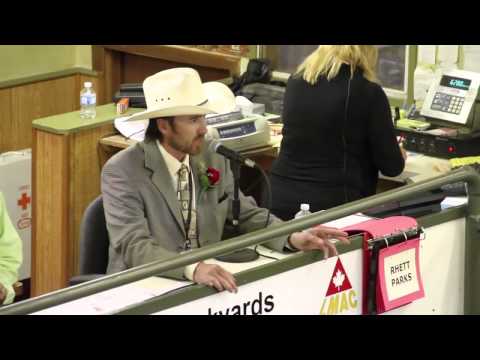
point(324, 144)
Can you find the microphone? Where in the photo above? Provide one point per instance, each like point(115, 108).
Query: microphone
point(217, 147)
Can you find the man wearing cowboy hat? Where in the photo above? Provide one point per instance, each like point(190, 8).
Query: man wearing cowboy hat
point(154, 204)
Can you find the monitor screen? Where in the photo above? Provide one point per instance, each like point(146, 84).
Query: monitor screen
point(455, 82)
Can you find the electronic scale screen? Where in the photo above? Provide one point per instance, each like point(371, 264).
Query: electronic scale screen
point(455, 82)
point(236, 130)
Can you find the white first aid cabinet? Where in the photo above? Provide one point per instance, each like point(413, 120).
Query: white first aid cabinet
point(16, 186)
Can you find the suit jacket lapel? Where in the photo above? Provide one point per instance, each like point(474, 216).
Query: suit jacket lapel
point(206, 223)
point(162, 180)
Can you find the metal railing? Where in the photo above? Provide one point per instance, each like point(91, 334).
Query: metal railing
point(472, 265)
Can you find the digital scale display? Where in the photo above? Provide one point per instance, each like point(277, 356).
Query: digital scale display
point(455, 82)
point(236, 130)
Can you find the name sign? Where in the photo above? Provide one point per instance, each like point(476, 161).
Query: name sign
point(399, 274)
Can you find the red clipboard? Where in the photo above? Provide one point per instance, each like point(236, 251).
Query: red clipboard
point(371, 229)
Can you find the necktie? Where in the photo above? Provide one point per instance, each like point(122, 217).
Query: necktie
point(184, 194)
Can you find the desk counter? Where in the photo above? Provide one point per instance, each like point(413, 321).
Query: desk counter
point(309, 278)
point(420, 167)
point(69, 123)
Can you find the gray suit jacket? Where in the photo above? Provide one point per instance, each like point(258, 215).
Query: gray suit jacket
point(143, 215)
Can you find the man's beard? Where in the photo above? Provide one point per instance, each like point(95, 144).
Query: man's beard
point(188, 149)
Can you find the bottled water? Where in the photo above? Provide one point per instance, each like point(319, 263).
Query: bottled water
point(88, 101)
point(304, 211)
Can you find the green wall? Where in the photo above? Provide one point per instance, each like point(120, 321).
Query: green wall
point(19, 61)
point(83, 56)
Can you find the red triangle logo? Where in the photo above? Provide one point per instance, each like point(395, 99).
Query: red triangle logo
point(339, 281)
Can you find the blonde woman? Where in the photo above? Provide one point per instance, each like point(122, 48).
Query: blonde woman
point(338, 132)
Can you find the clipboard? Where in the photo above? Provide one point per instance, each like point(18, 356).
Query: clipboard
point(378, 234)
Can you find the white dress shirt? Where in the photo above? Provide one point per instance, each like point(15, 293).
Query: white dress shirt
point(173, 165)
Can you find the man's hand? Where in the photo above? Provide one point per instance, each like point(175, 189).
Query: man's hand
point(3, 294)
point(214, 276)
point(404, 153)
point(318, 238)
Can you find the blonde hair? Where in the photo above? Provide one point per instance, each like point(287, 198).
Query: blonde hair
point(326, 60)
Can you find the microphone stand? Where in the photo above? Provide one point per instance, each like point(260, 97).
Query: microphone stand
point(243, 255)
point(235, 166)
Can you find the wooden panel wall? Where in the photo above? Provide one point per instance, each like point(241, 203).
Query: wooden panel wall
point(136, 68)
point(6, 125)
point(50, 215)
point(21, 105)
point(37, 100)
point(112, 77)
point(61, 193)
point(84, 182)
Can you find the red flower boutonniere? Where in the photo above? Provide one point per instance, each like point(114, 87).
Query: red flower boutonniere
point(209, 177)
point(213, 175)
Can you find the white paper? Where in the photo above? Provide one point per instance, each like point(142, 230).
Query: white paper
point(471, 58)
point(348, 221)
point(274, 255)
point(109, 301)
point(242, 101)
point(422, 79)
point(426, 54)
point(447, 54)
point(134, 130)
point(411, 154)
point(239, 267)
point(244, 105)
point(400, 274)
point(453, 201)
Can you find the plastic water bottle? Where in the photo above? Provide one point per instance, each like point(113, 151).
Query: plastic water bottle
point(304, 211)
point(88, 101)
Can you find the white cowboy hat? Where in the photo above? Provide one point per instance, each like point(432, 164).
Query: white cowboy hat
point(180, 91)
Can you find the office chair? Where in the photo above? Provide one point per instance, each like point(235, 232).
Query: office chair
point(94, 243)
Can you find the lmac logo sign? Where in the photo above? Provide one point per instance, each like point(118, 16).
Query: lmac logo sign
point(341, 298)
